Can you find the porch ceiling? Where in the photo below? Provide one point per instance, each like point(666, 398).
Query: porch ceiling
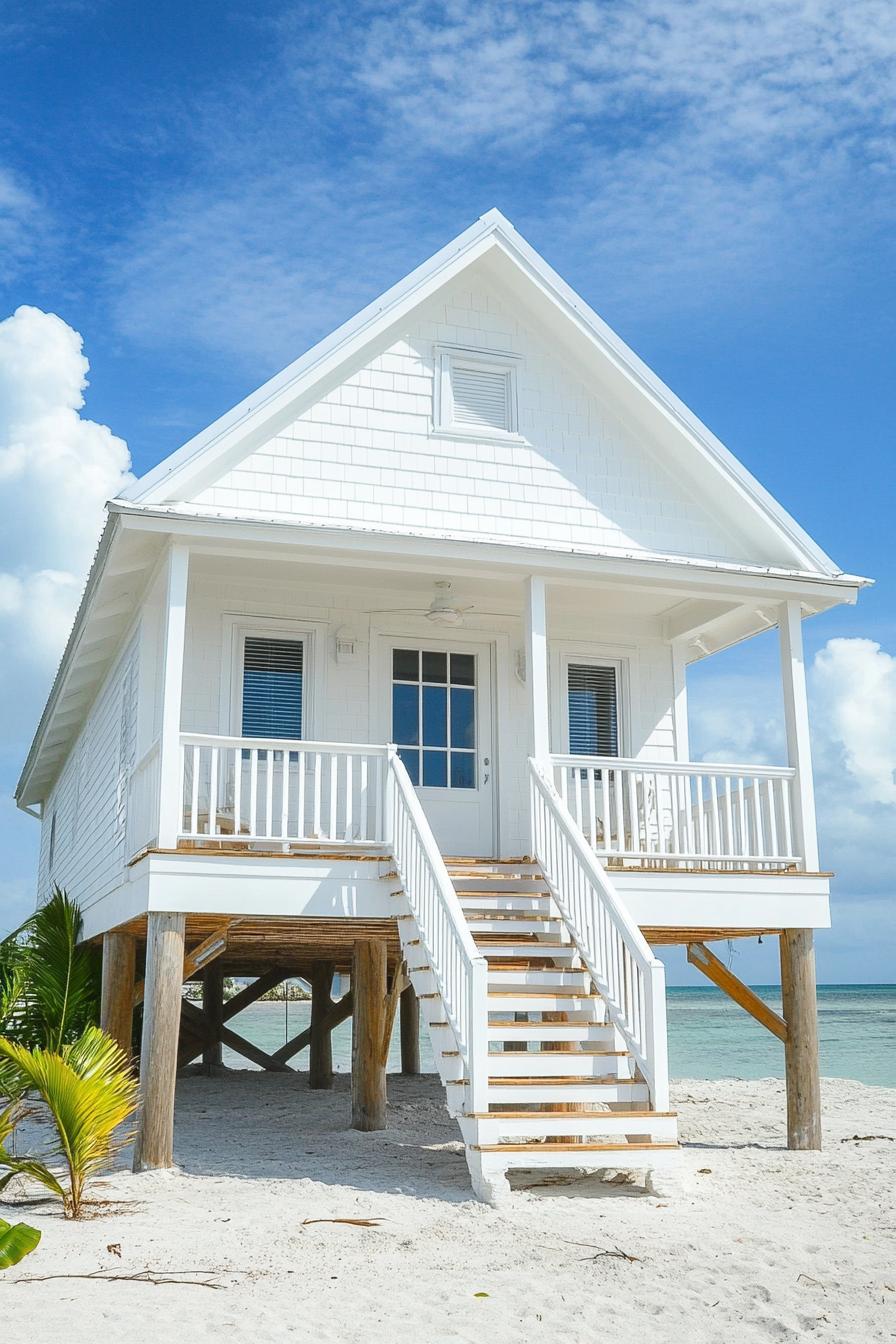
point(256, 944)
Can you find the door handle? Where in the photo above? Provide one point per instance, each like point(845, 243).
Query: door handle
point(485, 776)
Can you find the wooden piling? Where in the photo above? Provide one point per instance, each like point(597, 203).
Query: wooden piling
point(213, 1015)
point(154, 1147)
point(320, 1065)
point(369, 969)
point(117, 994)
point(801, 1047)
point(409, 1031)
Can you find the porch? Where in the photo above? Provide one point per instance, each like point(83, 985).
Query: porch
point(587, 679)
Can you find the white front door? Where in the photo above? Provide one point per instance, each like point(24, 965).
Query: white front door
point(441, 722)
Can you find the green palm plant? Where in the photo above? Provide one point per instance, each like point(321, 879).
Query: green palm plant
point(89, 1092)
point(16, 1241)
point(61, 991)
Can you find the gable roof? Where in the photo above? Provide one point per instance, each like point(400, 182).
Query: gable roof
point(208, 454)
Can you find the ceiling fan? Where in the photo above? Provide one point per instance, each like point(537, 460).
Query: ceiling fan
point(442, 610)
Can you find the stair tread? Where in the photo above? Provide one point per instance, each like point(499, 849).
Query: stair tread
point(575, 1080)
point(570, 1054)
point(570, 1112)
point(568, 1147)
point(544, 1026)
point(540, 992)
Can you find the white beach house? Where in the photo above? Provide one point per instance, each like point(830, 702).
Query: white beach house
point(385, 673)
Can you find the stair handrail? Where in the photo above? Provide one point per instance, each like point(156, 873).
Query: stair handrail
point(629, 977)
point(458, 967)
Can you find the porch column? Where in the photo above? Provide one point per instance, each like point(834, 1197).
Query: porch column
point(796, 721)
point(537, 668)
point(680, 701)
point(801, 1046)
point(174, 627)
point(117, 994)
point(158, 1048)
point(369, 967)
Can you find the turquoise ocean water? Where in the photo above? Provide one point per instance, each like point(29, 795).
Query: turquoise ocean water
point(709, 1036)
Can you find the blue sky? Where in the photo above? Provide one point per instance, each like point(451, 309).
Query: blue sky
point(202, 191)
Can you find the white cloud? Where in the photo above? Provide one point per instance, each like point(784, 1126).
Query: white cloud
point(854, 681)
point(669, 151)
point(57, 469)
point(852, 687)
point(20, 222)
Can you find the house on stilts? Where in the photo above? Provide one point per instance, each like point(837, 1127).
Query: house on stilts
point(384, 674)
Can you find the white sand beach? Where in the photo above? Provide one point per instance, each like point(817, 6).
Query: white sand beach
point(755, 1244)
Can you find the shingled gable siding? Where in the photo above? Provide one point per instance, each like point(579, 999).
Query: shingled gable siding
point(365, 455)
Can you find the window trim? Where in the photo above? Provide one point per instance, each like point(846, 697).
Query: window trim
point(625, 661)
point(312, 636)
point(448, 357)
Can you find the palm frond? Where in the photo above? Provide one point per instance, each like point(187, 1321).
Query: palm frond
point(61, 995)
point(90, 1093)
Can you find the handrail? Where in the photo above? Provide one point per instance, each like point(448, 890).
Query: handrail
point(283, 744)
point(706, 768)
point(629, 977)
point(458, 967)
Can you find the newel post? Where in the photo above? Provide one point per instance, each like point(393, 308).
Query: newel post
point(537, 669)
point(174, 630)
point(796, 721)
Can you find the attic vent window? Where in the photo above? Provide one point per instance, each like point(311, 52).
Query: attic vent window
point(475, 394)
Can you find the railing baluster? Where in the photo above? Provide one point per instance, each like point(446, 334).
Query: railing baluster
point(714, 812)
point(300, 796)
point(334, 797)
point(349, 784)
point(284, 801)
point(213, 793)
point(269, 794)
point(194, 792)
point(592, 810)
point(253, 791)
point(785, 814)
point(757, 818)
point(237, 792)
point(316, 815)
point(363, 801)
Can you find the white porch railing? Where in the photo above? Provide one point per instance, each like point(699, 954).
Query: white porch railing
point(459, 968)
point(681, 813)
point(630, 978)
point(287, 792)
point(142, 825)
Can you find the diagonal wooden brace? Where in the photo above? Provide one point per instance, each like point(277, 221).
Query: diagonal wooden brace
point(210, 948)
point(700, 956)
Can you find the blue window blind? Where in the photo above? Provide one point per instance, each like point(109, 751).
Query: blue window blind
point(272, 687)
point(593, 718)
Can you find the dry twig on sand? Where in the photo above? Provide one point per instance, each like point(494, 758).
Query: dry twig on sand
point(142, 1276)
point(615, 1254)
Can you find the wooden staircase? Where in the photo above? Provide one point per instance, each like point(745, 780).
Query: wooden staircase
point(563, 1090)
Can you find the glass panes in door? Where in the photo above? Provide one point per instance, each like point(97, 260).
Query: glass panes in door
point(434, 716)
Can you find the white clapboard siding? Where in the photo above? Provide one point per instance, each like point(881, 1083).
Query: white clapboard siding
point(89, 800)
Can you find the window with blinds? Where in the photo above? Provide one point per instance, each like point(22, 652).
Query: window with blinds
point(272, 687)
point(593, 710)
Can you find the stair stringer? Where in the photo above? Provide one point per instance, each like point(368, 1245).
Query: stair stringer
point(500, 1140)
